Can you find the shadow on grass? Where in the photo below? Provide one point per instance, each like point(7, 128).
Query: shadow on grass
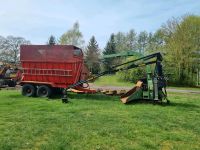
point(102, 97)
point(97, 96)
point(183, 105)
point(146, 101)
point(171, 104)
point(17, 96)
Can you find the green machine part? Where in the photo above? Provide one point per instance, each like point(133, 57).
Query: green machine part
point(148, 94)
point(136, 95)
point(122, 54)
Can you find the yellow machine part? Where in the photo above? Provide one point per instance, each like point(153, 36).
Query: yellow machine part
point(124, 97)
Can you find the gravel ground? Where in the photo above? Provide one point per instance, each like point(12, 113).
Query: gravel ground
point(92, 86)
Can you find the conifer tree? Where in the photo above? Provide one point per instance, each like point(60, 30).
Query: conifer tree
point(92, 55)
point(110, 49)
point(52, 40)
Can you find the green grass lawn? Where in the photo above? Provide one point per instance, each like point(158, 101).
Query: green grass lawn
point(185, 88)
point(98, 122)
point(111, 80)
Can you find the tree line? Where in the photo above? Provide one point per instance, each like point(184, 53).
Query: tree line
point(178, 40)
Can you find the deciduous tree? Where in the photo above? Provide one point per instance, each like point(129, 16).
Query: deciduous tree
point(73, 36)
point(142, 41)
point(182, 37)
point(10, 47)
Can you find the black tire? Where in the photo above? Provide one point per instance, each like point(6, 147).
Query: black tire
point(44, 91)
point(57, 91)
point(11, 83)
point(28, 90)
point(168, 101)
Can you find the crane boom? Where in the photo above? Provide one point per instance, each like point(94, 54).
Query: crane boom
point(153, 87)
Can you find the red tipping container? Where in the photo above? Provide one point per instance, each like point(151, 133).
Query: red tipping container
point(55, 66)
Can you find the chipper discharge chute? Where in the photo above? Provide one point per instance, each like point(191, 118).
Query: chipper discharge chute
point(134, 93)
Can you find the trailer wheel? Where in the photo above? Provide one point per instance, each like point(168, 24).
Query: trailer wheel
point(44, 91)
point(28, 90)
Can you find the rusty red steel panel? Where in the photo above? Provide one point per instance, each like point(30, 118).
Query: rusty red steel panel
point(55, 65)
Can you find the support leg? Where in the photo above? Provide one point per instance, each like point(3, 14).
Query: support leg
point(64, 98)
point(155, 82)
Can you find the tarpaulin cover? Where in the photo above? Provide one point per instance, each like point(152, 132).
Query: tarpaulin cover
point(52, 53)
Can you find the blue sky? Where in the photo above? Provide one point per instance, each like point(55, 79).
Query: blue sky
point(36, 20)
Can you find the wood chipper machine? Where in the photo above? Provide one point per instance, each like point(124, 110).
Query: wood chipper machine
point(152, 87)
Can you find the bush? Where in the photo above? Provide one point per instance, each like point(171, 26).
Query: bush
point(132, 75)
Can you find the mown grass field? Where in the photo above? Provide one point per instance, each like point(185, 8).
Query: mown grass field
point(98, 122)
point(111, 80)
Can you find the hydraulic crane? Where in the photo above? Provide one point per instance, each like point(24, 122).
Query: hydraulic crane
point(152, 87)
